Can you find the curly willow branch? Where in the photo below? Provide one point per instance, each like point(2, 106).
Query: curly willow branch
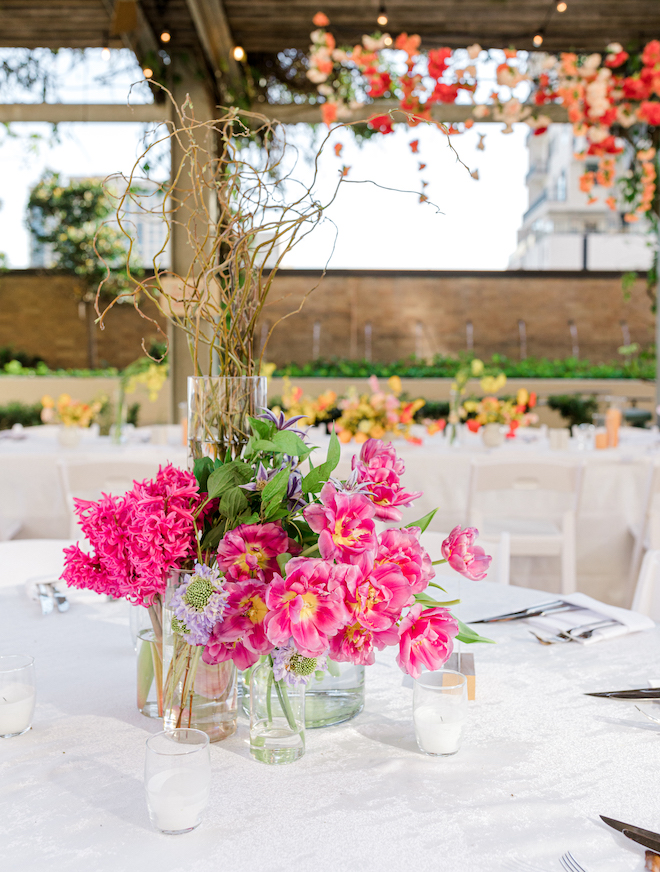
point(235, 200)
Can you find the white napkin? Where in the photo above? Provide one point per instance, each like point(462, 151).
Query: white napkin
point(589, 611)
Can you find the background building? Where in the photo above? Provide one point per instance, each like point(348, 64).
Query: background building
point(559, 229)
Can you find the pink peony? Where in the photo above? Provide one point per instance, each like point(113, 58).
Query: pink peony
point(380, 468)
point(468, 559)
point(250, 551)
point(344, 524)
point(425, 639)
point(402, 547)
point(308, 605)
point(376, 595)
point(241, 636)
point(355, 644)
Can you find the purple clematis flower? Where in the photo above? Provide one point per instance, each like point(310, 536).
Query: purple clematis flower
point(263, 477)
point(283, 423)
point(294, 492)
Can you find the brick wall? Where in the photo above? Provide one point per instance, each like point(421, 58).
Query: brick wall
point(426, 313)
point(39, 314)
point(396, 313)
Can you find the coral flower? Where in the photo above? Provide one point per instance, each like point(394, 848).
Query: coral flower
point(463, 555)
point(250, 551)
point(241, 636)
point(344, 524)
point(355, 644)
point(426, 639)
point(402, 548)
point(307, 605)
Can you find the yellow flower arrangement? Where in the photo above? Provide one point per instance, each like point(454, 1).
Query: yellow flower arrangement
point(71, 413)
point(372, 417)
point(315, 411)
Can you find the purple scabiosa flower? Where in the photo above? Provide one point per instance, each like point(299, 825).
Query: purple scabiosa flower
point(198, 604)
point(290, 665)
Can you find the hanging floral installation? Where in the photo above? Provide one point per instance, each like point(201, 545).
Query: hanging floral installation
point(612, 100)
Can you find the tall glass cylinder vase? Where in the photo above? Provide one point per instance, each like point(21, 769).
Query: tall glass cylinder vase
point(277, 716)
point(218, 409)
point(337, 695)
point(195, 695)
point(146, 630)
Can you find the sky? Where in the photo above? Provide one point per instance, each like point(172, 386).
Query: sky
point(473, 227)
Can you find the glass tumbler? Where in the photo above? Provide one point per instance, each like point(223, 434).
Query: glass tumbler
point(440, 711)
point(17, 694)
point(177, 779)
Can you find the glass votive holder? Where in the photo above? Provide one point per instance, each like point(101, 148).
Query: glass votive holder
point(17, 694)
point(600, 438)
point(440, 711)
point(177, 779)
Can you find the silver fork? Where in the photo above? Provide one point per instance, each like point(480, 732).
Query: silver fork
point(586, 632)
point(570, 864)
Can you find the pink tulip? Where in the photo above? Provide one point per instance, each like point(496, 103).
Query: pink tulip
point(241, 636)
point(425, 639)
point(355, 644)
point(380, 469)
point(465, 557)
point(250, 551)
point(402, 548)
point(376, 595)
point(307, 605)
point(344, 524)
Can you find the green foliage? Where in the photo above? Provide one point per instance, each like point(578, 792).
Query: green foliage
point(574, 408)
point(74, 221)
point(434, 409)
point(447, 367)
point(7, 354)
point(20, 413)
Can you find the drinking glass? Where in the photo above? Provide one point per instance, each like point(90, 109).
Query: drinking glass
point(177, 779)
point(439, 711)
point(17, 694)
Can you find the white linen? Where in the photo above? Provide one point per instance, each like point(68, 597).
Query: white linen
point(589, 611)
point(539, 763)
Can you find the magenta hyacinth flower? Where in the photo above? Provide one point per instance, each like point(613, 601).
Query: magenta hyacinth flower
point(426, 638)
point(250, 551)
point(356, 644)
point(402, 547)
point(463, 555)
point(307, 605)
point(344, 523)
point(376, 595)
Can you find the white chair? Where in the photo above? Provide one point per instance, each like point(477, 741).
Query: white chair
point(24, 558)
point(87, 480)
point(550, 533)
point(647, 532)
point(647, 592)
point(499, 551)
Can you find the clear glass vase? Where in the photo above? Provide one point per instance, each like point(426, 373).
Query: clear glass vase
point(218, 409)
point(336, 696)
point(277, 717)
point(146, 631)
point(195, 695)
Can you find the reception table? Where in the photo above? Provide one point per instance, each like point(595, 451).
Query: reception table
point(540, 761)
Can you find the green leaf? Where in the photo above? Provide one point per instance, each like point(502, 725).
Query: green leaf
point(282, 560)
point(263, 445)
point(276, 487)
point(227, 476)
point(212, 538)
point(316, 478)
point(468, 635)
point(288, 443)
point(203, 467)
point(261, 429)
point(423, 522)
point(274, 511)
point(233, 502)
point(429, 603)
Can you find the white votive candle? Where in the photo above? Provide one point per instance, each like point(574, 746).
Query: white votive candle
point(16, 708)
point(177, 798)
point(437, 731)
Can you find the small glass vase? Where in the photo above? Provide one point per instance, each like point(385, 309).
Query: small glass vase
point(69, 435)
point(145, 626)
point(218, 411)
point(336, 696)
point(196, 695)
point(277, 717)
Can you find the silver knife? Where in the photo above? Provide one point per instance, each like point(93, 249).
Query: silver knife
point(531, 612)
point(643, 837)
point(638, 693)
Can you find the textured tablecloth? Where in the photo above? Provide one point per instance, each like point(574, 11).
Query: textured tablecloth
point(540, 761)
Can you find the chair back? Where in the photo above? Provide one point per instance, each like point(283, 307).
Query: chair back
point(647, 593)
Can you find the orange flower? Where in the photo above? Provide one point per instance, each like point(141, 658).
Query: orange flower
point(321, 20)
point(414, 146)
point(587, 181)
point(611, 202)
point(329, 112)
point(338, 148)
point(630, 218)
point(468, 124)
point(409, 44)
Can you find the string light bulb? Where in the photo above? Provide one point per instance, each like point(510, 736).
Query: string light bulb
point(382, 16)
point(562, 7)
point(239, 53)
point(147, 72)
point(105, 54)
point(538, 40)
point(165, 36)
point(387, 40)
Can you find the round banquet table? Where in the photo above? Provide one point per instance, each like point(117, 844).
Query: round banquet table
point(539, 763)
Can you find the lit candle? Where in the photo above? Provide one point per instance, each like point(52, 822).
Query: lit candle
point(437, 731)
point(177, 798)
point(16, 708)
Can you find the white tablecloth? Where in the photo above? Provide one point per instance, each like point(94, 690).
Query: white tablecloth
point(539, 763)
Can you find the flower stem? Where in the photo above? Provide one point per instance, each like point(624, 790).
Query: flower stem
point(438, 562)
point(310, 550)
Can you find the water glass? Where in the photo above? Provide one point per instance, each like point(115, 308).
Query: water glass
point(440, 711)
point(17, 694)
point(177, 779)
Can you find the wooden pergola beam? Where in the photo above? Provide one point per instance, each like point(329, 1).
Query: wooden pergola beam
point(217, 41)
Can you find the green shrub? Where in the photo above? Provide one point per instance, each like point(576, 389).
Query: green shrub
point(8, 354)
point(574, 408)
point(19, 413)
